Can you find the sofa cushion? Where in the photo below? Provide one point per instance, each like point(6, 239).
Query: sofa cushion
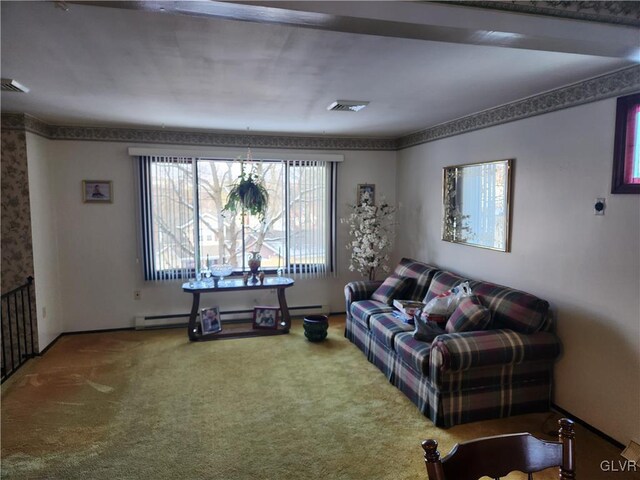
point(441, 283)
point(468, 316)
point(511, 308)
point(421, 272)
point(394, 286)
point(413, 352)
point(385, 326)
point(361, 311)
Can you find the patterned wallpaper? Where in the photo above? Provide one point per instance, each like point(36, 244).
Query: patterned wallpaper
point(17, 249)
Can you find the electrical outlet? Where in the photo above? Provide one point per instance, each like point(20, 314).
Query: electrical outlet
point(137, 295)
point(44, 312)
point(599, 206)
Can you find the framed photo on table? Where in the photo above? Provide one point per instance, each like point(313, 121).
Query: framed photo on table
point(266, 317)
point(363, 190)
point(97, 191)
point(210, 320)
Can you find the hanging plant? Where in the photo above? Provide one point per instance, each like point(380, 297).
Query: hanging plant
point(248, 194)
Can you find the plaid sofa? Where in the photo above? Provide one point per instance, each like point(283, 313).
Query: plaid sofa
point(459, 377)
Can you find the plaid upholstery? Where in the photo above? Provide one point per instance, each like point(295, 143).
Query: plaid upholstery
point(461, 351)
point(361, 290)
point(469, 315)
point(442, 282)
point(511, 308)
point(460, 377)
point(514, 373)
point(382, 357)
point(413, 352)
point(448, 408)
point(422, 273)
point(393, 286)
point(453, 397)
point(358, 334)
point(547, 324)
point(415, 386)
point(361, 311)
point(385, 326)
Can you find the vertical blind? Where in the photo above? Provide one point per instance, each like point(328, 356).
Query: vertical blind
point(170, 203)
point(309, 231)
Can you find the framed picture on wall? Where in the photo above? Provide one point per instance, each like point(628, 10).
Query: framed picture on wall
point(97, 191)
point(366, 191)
point(210, 320)
point(266, 317)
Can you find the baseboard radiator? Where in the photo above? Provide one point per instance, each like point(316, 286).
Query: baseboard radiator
point(143, 322)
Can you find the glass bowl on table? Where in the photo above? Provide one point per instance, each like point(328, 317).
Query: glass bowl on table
point(221, 271)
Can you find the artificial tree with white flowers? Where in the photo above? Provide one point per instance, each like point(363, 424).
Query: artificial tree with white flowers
point(371, 230)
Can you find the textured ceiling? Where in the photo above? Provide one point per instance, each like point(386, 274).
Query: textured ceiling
point(92, 65)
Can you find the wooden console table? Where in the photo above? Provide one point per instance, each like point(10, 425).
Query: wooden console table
point(237, 284)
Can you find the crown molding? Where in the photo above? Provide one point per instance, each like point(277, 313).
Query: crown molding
point(614, 84)
point(621, 82)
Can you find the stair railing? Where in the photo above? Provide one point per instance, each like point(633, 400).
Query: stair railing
point(17, 329)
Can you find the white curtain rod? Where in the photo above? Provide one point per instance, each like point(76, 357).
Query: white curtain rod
point(233, 153)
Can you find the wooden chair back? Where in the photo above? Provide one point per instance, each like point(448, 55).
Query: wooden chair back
point(497, 456)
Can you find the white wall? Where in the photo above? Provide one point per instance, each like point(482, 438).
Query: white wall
point(586, 266)
point(98, 246)
point(44, 228)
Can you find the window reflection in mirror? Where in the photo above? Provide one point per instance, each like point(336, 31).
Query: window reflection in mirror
point(476, 204)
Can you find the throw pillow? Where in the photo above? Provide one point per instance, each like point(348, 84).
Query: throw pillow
point(393, 287)
point(469, 315)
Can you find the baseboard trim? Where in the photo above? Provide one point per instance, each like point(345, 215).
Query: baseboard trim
point(51, 344)
point(589, 427)
point(80, 332)
point(102, 330)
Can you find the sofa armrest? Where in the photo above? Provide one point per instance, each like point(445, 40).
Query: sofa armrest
point(462, 351)
point(360, 290)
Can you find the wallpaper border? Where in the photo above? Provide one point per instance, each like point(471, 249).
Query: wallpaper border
point(617, 13)
point(620, 82)
point(614, 84)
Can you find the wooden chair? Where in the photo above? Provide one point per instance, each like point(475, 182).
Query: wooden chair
point(497, 456)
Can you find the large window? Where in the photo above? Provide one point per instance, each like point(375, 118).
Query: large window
point(184, 224)
point(626, 156)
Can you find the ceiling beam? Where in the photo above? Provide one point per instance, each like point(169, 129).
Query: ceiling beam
point(418, 21)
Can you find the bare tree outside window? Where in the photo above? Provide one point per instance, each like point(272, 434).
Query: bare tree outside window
point(294, 231)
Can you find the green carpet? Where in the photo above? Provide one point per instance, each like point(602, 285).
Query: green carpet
point(129, 405)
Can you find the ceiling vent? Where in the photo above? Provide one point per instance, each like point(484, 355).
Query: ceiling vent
point(10, 85)
point(347, 106)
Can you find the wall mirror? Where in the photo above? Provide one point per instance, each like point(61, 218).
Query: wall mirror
point(476, 200)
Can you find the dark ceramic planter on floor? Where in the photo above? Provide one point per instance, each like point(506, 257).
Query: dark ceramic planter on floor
point(315, 327)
